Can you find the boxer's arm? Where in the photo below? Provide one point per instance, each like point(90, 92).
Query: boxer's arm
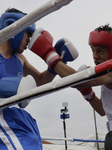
point(40, 77)
point(41, 44)
point(63, 70)
point(45, 77)
point(96, 103)
point(102, 80)
point(90, 96)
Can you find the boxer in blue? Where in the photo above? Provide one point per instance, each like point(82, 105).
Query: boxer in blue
point(18, 129)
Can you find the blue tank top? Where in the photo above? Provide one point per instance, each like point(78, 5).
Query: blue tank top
point(11, 66)
point(17, 127)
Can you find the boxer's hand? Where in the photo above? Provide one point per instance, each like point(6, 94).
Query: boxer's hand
point(9, 86)
point(13, 85)
point(87, 93)
point(66, 51)
point(41, 44)
point(26, 83)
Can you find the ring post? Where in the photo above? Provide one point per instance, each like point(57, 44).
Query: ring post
point(64, 116)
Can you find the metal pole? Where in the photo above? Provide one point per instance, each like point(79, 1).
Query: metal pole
point(64, 126)
point(96, 129)
point(64, 116)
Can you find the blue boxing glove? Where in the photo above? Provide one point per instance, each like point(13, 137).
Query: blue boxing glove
point(27, 83)
point(12, 85)
point(9, 86)
point(66, 50)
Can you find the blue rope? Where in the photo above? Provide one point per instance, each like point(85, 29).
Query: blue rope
point(81, 140)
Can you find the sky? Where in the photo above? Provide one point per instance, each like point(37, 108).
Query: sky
point(74, 21)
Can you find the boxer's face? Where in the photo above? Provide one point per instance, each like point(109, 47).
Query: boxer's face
point(24, 43)
point(100, 54)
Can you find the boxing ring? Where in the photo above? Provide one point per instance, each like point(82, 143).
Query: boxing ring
point(60, 84)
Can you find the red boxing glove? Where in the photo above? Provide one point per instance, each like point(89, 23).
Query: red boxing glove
point(87, 93)
point(41, 44)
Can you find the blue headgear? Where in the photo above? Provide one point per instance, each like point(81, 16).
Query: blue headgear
point(10, 17)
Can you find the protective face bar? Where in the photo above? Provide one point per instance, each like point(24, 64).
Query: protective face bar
point(27, 20)
point(72, 80)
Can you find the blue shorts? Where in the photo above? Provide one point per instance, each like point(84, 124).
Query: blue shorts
point(18, 130)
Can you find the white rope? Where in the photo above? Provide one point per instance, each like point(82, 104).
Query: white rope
point(27, 20)
point(49, 88)
point(71, 80)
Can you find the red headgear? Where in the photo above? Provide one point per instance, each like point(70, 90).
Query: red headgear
point(103, 38)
